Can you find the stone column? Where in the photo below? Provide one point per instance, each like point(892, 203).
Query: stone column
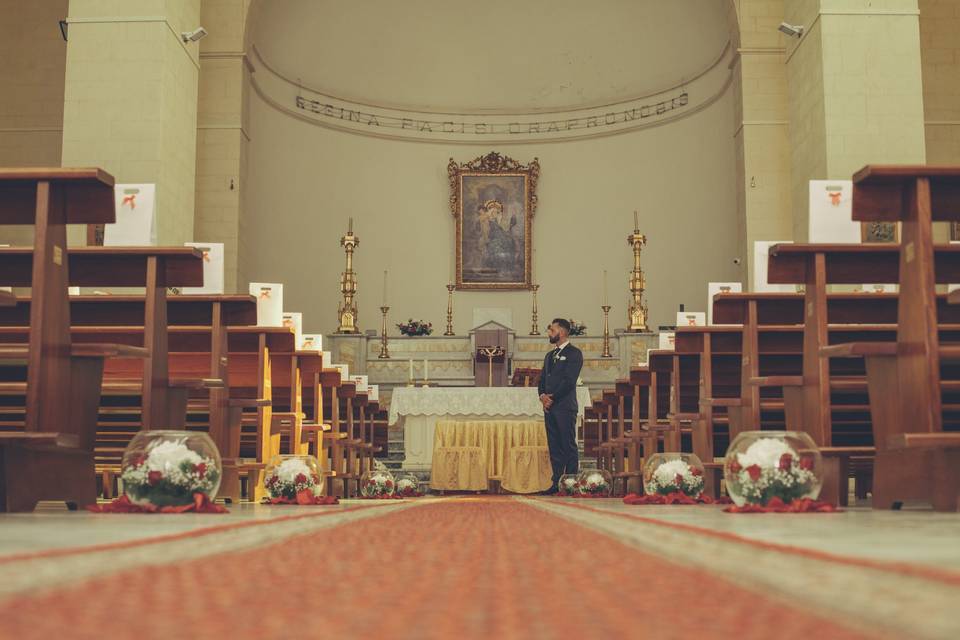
point(130, 100)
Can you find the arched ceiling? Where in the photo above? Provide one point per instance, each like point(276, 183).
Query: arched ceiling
point(492, 56)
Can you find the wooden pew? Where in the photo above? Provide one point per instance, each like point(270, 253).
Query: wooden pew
point(916, 458)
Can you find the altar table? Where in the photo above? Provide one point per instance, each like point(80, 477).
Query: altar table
point(417, 410)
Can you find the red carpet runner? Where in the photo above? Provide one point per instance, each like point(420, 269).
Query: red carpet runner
point(468, 568)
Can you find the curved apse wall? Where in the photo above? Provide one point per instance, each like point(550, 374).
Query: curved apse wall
point(306, 178)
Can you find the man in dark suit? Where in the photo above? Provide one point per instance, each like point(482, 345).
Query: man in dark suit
point(558, 394)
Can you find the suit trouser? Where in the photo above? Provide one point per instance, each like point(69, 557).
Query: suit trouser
point(562, 442)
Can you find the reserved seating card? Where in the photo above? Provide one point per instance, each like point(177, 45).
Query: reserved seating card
point(831, 210)
point(294, 319)
point(691, 318)
point(344, 370)
point(761, 257)
point(312, 342)
point(361, 382)
point(213, 269)
point(269, 297)
point(136, 223)
point(667, 340)
point(373, 392)
point(713, 288)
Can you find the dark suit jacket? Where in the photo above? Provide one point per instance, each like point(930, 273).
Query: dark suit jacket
point(559, 377)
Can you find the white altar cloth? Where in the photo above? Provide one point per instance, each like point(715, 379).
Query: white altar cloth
point(417, 410)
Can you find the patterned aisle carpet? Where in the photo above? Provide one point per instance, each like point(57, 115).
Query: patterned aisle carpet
point(467, 567)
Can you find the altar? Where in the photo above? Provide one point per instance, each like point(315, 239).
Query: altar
point(418, 409)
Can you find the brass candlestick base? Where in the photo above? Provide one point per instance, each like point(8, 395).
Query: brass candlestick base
point(534, 323)
point(384, 351)
point(637, 311)
point(347, 309)
point(606, 331)
point(449, 331)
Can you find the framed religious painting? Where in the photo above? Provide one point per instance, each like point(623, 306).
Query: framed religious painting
point(493, 199)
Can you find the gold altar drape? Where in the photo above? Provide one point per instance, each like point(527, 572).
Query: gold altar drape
point(467, 454)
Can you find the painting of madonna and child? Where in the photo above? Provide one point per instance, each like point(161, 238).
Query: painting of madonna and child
point(493, 232)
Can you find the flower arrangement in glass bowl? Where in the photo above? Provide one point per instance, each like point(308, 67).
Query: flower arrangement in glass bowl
point(293, 479)
point(415, 328)
point(166, 468)
point(408, 486)
point(377, 483)
point(568, 486)
point(595, 483)
point(671, 473)
point(765, 466)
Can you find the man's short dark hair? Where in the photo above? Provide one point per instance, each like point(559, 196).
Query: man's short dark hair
point(563, 323)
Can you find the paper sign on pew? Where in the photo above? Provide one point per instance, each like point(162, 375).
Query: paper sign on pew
point(373, 392)
point(344, 370)
point(953, 287)
point(691, 318)
point(136, 223)
point(269, 297)
point(212, 268)
point(361, 382)
point(761, 258)
point(294, 319)
point(713, 288)
point(667, 340)
point(831, 212)
point(312, 342)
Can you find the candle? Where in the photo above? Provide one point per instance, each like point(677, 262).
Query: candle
point(350, 225)
point(384, 287)
point(605, 300)
point(426, 369)
point(411, 369)
point(636, 221)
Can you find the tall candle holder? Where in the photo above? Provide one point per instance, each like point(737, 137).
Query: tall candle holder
point(347, 308)
point(534, 322)
point(606, 331)
point(449, 331)
point(637, 312)
point(384, 350)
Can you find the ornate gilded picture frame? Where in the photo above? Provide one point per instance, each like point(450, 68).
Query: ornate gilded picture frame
point(493, 199)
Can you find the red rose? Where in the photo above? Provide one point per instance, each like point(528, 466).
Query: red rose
point(388, 484)
point(678, 480)
point(695, 471)
point(154, 477)
point(754, 471)
point(300, 479)
point(139, 460)
point(735, 467)
point(786, 460)
point(806, 463)
point(201, 469)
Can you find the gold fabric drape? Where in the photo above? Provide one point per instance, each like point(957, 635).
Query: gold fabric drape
point(467, 454)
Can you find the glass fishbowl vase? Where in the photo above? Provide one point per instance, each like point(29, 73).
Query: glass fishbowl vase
point(288, 476)
point(668, 473)
point(165, 468)
point(763, 465)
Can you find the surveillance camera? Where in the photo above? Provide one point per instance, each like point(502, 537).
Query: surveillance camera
point(791, 29)
point(193, 36)
point(736, 261)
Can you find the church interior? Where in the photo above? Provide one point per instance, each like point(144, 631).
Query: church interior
point(512, 320)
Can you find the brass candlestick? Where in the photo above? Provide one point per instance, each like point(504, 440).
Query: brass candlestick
point(606, 331)
point(637, 312)
point(347, 309)
point(534, 328)
point(449, 331)
point(384, 351)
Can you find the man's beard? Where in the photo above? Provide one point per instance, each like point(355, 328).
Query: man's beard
point(554, 339)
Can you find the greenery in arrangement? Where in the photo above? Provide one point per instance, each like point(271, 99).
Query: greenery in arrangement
point(415, 328)
point(168, 474)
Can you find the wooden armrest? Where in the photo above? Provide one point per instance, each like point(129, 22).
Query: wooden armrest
point(313, 427)
point(197, 383)
point(924, 441)
point(685, 416)
point(81, 350)
point(250, 403)
point(859, 349)
point(847, 452)
point(777, 381)
point(954, 297)
point(65, 440)
point(721, 402)
point(7, 299)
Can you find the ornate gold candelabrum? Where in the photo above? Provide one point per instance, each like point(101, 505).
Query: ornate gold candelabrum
point(606, 331)
point(449, 331)
point(637, 312)
point(384, 351)
point(347, 309)
point(534, 322)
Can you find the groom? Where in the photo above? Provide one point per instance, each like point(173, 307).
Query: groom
point(558, 386)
